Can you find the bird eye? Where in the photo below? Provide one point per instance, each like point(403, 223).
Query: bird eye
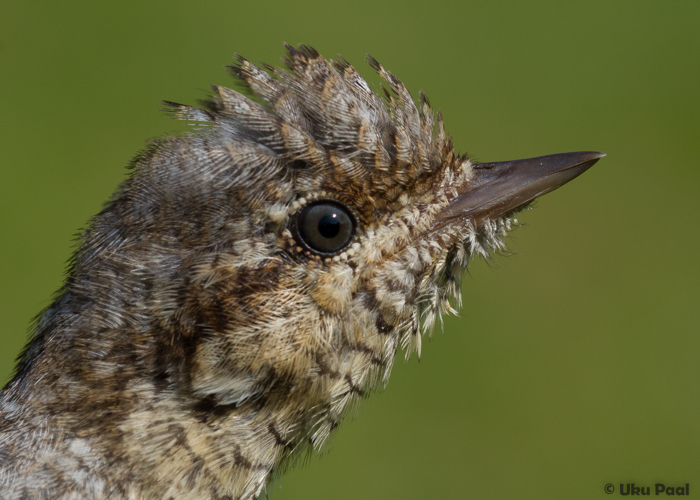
point(325, 227)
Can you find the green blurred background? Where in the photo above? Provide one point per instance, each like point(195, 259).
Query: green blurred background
point(576, 360)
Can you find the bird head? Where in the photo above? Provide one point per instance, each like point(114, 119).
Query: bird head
point(252, 279)
point(287, 242)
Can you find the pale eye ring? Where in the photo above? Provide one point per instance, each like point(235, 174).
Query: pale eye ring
point(325, 227)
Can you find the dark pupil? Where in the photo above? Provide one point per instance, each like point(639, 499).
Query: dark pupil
point(329, 226)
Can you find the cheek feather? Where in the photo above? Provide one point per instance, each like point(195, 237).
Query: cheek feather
point(332, 290)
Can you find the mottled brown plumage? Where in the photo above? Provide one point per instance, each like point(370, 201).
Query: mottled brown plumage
point(200, 341)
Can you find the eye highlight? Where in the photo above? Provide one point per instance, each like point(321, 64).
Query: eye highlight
point(325, 227)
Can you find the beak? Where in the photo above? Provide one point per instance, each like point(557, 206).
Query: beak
point(501, 188)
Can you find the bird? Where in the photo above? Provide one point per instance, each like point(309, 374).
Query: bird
point(252, 281)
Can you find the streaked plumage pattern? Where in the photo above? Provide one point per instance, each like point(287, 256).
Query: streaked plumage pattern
point(196, 347)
